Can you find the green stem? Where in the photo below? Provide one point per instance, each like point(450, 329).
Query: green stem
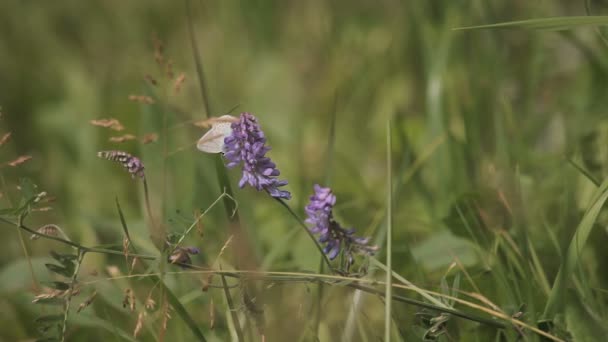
point(68, 300)
point(303, 225)
point(74, 244)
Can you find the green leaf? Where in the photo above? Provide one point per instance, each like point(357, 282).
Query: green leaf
point(66, 272)
point(59, 285)
point(552, 24)
point(49, 319)
point(64, 259)
point(123, 223)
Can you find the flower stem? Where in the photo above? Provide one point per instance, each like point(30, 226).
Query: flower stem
point(303, 225)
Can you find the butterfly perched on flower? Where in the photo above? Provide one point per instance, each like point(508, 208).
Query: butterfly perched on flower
point(213, 140)
point(242, 142)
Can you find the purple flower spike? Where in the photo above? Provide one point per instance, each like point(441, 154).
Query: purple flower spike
point(129, 162)
point(331, 234)
point(247, 145)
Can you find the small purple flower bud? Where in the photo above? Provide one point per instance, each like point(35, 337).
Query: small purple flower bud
point(129, 162)
point(181, 256)
point(247, 145)
point(331, 234)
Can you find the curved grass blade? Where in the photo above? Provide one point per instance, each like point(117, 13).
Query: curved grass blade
point(557, 294)
point(583, 172)
point(550, 24)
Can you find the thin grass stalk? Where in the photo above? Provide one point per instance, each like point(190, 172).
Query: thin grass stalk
point(334, 280)
point(389, 238)
point(224, 194)
point(409, 173)
point(356, 283)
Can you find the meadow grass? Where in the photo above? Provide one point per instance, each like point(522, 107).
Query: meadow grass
point(466, 139)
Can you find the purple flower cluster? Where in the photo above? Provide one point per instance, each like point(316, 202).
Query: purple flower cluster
point(247, 145)
point(331, 234)
point(129, 162)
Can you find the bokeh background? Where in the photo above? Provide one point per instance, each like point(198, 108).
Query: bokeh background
point(499, 116)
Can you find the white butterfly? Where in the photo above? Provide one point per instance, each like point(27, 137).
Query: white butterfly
point(213, 140)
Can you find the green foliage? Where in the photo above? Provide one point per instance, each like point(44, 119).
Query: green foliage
point(497, 186)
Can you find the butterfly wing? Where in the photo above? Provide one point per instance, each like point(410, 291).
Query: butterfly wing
point(213, 140)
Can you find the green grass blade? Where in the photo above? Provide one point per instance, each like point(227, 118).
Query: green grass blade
point(179, 308)
point(173, 300)
point(389, 238)
point(331, 140)
point(551, 24)
point(197, 60)
point(577, 244)
point(233, 313)
point(584, 172)
point(123, 223)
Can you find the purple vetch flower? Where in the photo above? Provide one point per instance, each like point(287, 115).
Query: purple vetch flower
point(129, 162)
point(247, 145)
point(331, 234)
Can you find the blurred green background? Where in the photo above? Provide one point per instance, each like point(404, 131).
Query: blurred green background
point(489, 118)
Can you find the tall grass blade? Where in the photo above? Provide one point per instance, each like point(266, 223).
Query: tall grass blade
point(197, 60)
point(179, 308)
point(550, 24)
point(567, 268)
point(389, 238)
point(233, 313)
point(173, 300)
